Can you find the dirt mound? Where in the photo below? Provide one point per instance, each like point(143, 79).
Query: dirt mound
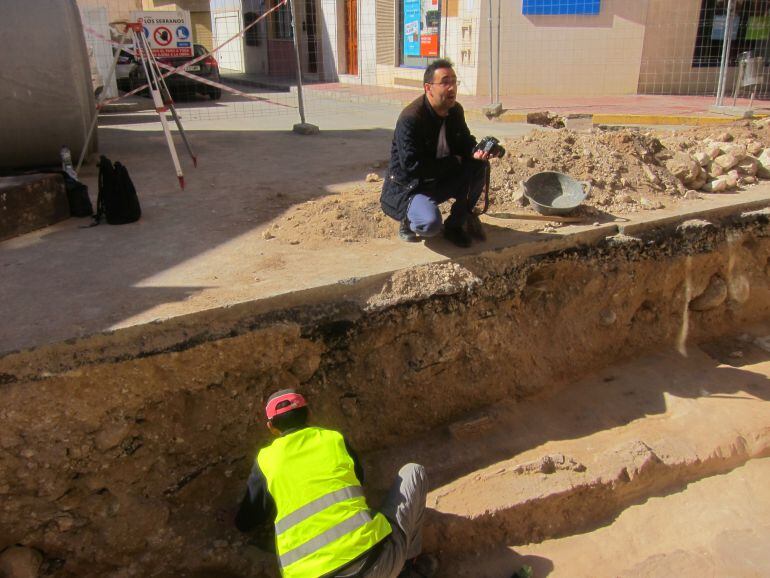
point(629, 170)
point(349, 216)
point(422, 282)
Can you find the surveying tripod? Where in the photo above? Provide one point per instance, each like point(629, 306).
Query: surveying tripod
point(160, 95)
point(157, 87)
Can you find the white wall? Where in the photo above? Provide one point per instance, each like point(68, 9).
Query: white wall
point(96, 18)
point(329, 31)
point(367, 44)
point(255, 57)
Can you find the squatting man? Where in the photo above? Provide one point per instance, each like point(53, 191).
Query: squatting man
point(308, 484)
point(434, 158)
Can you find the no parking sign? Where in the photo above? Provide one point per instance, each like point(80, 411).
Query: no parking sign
point(168, 33)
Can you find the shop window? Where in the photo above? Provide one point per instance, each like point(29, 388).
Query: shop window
point(749, 30)
point(420, 30)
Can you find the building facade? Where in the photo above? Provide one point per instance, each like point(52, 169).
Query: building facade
point(519, 47)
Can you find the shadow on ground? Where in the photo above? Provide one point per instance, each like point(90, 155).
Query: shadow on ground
point(615, 397)
point(67, 281)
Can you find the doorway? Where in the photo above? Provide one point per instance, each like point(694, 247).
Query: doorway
point(351, 36)
point(225, 27)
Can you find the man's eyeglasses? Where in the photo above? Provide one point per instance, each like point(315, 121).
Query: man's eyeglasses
point(447, 83)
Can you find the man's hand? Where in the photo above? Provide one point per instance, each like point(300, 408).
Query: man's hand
point(481, 155)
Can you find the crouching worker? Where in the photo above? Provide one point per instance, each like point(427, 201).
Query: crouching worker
point(433, 159)
point(307, 482)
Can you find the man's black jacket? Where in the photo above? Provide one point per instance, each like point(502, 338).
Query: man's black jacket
point(413, 162)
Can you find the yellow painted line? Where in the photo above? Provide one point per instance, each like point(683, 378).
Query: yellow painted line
point(651, 119)
point(671, 119)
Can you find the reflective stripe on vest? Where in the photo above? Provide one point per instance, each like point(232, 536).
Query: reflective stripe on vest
point(316, 506)
point(352, 523)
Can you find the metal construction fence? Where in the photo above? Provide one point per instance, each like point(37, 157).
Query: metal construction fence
point(379, 48)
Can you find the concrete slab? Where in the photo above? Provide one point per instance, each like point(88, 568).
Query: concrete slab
point(30, 202)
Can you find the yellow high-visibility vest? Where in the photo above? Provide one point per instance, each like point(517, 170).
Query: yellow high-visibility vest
point(323, 521)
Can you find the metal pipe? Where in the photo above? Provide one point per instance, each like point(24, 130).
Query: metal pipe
point(729, 35)
point(300, 100)
point(738, 80)
point(491, 76)
point(725, 54)
point(442, 51)
point(359, 60)
point(497, 93)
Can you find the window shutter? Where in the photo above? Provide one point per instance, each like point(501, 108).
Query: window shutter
point(385, 14)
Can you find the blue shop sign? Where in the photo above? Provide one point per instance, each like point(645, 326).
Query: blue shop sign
point(560, 6)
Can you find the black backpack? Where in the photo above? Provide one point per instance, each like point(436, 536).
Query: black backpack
point(117, 200)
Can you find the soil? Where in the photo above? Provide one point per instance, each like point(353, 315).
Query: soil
point(672, 535)
point(626, 169)
point(351, 215)
point(142, 476)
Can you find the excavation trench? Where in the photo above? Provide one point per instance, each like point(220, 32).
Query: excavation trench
point(125, 453)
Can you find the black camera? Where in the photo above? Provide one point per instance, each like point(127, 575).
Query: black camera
point(491, 145)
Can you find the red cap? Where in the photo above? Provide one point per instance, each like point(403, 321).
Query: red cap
point(295, 400)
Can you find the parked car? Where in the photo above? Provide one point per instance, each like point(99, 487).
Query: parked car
point(126, 63)
point(207, 68)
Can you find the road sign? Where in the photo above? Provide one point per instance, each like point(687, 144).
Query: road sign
point(168, 33)
point(162, 36)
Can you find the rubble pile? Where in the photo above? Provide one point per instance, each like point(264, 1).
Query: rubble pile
point(630, 170)
point(721, 161)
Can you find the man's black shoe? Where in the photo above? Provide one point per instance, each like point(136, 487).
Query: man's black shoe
point(457, 236)
point(475, 227)
point(405, 232)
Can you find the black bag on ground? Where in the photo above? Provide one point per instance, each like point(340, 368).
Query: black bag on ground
point(117, 200)
point(77, 197)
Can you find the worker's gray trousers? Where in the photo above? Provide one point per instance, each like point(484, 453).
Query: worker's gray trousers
point(404, 507)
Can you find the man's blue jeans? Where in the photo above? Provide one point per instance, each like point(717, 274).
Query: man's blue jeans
point(423, 212)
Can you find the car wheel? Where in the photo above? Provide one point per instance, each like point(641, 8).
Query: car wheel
point(215, 93)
